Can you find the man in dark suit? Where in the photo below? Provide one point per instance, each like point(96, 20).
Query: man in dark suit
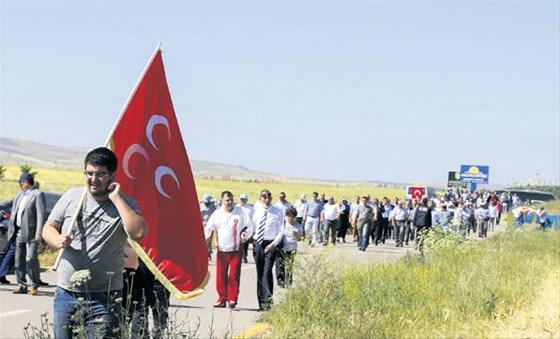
point(26, 225)
point(269, 222)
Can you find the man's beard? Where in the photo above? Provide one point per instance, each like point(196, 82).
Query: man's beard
point(98, 193)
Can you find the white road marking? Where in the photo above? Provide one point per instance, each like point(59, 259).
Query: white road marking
point(11, 313)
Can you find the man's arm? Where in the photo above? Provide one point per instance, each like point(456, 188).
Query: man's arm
point(209, 227)
point(249, 228)
point(51, 234)
point(134, 224)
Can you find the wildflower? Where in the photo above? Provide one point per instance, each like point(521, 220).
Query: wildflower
point(80, 278)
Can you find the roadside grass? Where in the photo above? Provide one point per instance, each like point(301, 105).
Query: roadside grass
point(540, 320)
point(453, 291)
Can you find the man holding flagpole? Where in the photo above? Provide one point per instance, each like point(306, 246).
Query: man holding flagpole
point(89, 271)
point(233, 227)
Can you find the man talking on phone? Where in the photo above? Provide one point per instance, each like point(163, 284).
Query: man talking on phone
point(95, 243)
point(269, 224)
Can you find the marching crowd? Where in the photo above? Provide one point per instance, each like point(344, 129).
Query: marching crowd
point(276, 228)
point(273, 228)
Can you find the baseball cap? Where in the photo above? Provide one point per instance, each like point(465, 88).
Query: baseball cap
point(25, 176)
point(207, 197)
point(244, 196)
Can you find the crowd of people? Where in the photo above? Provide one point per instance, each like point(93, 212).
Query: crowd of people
point(275, 230)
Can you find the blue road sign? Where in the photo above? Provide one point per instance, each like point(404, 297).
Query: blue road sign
point(474, 173)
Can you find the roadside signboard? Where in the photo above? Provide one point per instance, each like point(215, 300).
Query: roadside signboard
point(415, 192)
point(454, 180)
point(474, 174)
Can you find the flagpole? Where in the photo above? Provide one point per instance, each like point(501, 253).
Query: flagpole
point(107, 144)
point(125, 107)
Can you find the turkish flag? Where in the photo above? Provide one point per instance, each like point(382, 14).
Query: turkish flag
point(155, 171)
point(418, 192)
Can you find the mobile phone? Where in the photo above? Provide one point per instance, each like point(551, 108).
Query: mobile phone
point(111, 186)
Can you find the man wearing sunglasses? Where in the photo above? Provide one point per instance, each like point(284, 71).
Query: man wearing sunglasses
point(269, 223)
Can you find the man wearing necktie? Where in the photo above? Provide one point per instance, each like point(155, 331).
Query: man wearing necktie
point(26, 225)
point(269, 222)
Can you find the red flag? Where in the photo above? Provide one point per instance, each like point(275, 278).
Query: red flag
point(155, 171)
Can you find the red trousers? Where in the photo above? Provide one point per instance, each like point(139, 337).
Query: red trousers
point(227, 283)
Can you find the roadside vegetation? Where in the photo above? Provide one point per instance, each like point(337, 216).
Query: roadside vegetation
point(458, 289)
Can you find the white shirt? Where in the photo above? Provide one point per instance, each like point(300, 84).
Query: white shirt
point(458, 216)
point(283, 205)
point(274, 223)
point(492, 210)
point(354, 209)
point(248, 209)
point(300, 206)
point(400, 214)
point(228, 227)
point(21, 206)
point(330, 211)
point(482, 214)
point(291, 240)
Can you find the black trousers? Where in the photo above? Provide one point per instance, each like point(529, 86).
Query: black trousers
point(246, 248)
point(378, 231)
point(142, 292)
point(265, 283)
point(385, 223)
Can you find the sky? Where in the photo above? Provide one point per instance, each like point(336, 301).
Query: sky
point(392, 91)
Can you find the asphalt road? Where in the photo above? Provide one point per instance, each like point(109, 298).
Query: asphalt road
point(197, 314)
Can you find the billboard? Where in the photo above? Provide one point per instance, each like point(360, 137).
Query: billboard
point(474, 174)
point(454, 180)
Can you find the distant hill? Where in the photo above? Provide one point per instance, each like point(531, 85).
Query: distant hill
point(19, 152)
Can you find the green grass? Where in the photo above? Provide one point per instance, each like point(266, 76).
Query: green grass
point(51, 180)
point(455, 291)
point(60, 180)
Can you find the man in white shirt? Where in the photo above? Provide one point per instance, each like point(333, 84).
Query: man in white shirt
point(329, 218)
point(282, 203)
point(24, 229)
point(269, 224)
point(353, 218)
point(400, 218)
point(300, 206)
point(483, 217)
point(233, 227)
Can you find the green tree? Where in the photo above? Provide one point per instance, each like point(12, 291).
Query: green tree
point(27, 169)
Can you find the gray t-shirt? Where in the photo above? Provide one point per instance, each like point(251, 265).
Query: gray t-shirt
point(364, 212)
point(99, 238)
